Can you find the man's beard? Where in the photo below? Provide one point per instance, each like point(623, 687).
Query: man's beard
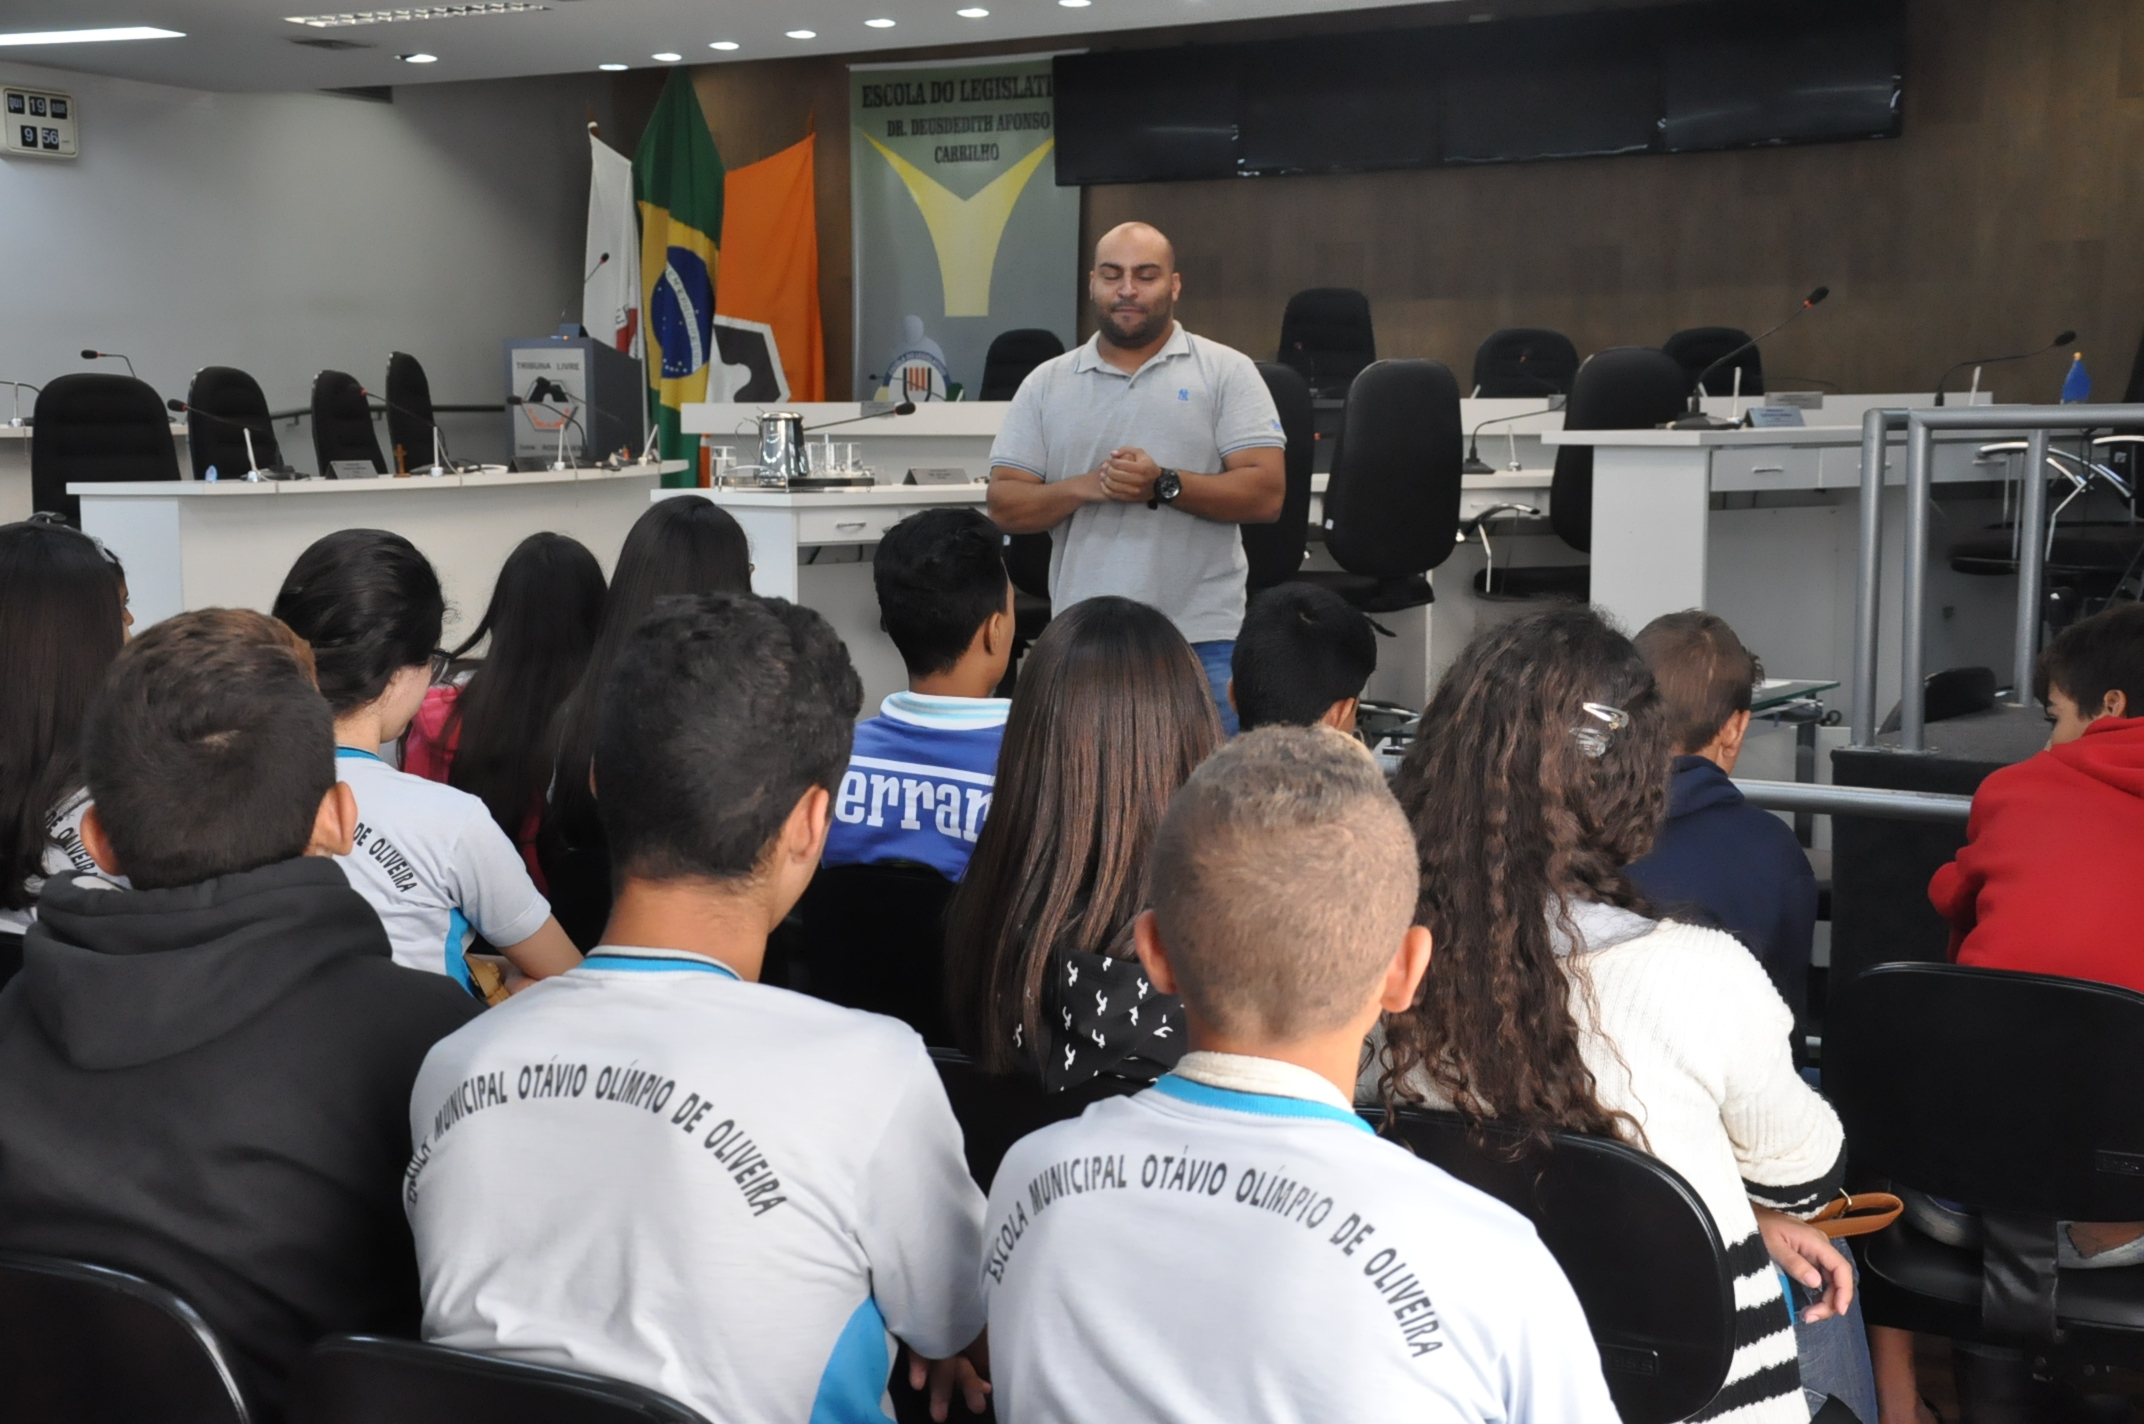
point(1156, 322)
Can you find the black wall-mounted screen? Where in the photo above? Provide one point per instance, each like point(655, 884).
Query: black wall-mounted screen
point(1673, 79)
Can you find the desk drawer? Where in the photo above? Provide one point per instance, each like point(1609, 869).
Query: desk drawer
point(1766, 468)
point(852, 525)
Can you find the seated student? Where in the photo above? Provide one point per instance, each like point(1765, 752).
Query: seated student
point(1303, 657)
point(1112, 712)
point(490, 733)
point(656, 1168)
point(685, 544)
point(2047, 881)
point(206, 1073)
point(1560, 1002)
point(1283, 898)
point(62, 621)
point(1715, 851)
point(430, 859)
point(919, 778)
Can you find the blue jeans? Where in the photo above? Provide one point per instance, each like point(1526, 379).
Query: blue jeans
point(1834, 1355)
point(1216, 656)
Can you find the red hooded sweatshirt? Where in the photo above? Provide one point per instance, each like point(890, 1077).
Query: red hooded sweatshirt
point(2051, 880)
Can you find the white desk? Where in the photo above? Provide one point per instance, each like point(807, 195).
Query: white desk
point(229, 544)
point(15, 468)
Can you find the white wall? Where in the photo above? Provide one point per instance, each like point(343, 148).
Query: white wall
point(285, 233)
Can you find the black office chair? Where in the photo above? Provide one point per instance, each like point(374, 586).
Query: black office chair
point(1635, 1241)
point(2023, 1095)
point(1275, 550)
point(225, 404)
point(1953, 692)
point(1524, 361)
point(92, 427)
point(81, 1344)
point(362, 1379)
point(1392, 503)
point(995, 1111)
point(873, 937)
point(1012, 355)
point(342, 425)
point(1326, 334)
point(1700, 346)
point(409, 412)
point(1622, 388)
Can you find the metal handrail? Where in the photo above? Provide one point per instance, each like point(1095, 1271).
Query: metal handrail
point(1855, 801)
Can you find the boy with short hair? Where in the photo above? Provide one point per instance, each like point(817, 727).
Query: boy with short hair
point(1737, 862)
point(1235, 1244)
point(206, 1074)
point(1303, 657)
point(2047, 881)
point(720, 1190)
point(919, 779)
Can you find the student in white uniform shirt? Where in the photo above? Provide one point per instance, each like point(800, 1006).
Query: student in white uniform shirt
point(657, 1169)
point(428, 858)
point(1235, 1244)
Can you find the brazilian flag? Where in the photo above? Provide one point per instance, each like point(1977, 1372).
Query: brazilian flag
point(677, 185)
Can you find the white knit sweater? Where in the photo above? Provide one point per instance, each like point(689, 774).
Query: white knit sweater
point(1684, 1032)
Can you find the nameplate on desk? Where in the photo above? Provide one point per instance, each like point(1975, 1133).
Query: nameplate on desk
point(1773, 417)
point(938, 476)
point(1800, 400)
point(352, 470)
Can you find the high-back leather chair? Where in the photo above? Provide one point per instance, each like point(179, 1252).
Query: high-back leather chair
point(1326, 334)
point(1275, 551)
point(997, 1110)
point(1700, 346)
point(225, 405)
point(81, 1342)
point(362, 1379)
point(1013, 354)
point(342, 424)
point(1392, 503)
point(93, 427)
point(1524, 362)
point(873, 937)
point(409, 411)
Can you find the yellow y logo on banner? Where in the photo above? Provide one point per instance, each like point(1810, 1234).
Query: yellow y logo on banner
point(966, 231)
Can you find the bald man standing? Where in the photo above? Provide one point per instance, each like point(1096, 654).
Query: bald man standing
point(1144, 449)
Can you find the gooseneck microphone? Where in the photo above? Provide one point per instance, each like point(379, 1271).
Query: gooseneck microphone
point(595, 269)
point(1697, 419)
point(906, 407)
point(255, 470)
point(1475, 465)
point(442, 464)
point(89, 355)
point(2061, 339)
point(20, 387)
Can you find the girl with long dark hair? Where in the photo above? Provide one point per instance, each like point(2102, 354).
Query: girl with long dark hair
point(490, 735)
point(686, 544)
point(1111, 715)
point(1558, 1000)
point(428, 858)
point(62, 620)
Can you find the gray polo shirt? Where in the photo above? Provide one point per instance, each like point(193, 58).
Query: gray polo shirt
point(1194, 403)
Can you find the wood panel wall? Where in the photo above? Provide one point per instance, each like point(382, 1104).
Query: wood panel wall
point(2012, 207)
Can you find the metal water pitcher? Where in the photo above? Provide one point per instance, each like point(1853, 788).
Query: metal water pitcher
point(782, 456)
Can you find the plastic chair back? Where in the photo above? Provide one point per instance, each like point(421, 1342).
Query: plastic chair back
point(409, 410)
point(873, 937)
point(342, 424)
point(1524, 362)
point(1392, 505)
point(1013, 354)
point(81, 1344)
point(995, 1111)
point(1326, 334)
point(1635, 1241)
point(1700, 346)
point(362, 1379)
point(1622, 388)
point(93, 427)
point(226, 403)
point(1275, 550)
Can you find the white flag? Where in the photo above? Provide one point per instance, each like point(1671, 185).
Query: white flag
point(610, 303)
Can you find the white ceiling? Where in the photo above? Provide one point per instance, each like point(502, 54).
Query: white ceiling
point(247, 44)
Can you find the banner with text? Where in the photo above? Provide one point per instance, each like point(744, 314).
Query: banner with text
point(961, 231)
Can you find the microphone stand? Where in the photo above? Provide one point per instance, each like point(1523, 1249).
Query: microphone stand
point(906, 407)
point(254, 473)
point(1696, 419)
point(1475, 464)
point(440, 464)
point(2063, 340)
point(17, 422)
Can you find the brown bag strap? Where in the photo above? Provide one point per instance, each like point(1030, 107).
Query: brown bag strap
point(1859, 1215)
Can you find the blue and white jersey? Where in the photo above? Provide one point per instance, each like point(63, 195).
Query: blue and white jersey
point(435, 866)
point(919, 782)
point(650, 1169)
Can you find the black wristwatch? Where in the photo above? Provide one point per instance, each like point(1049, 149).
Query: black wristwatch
point(1167, 486)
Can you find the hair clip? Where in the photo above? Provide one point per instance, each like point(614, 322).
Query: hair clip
point(1592, 741)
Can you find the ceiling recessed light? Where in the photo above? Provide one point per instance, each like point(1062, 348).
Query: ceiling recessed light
point(880, 24)
point(343, 18)
point(115, 32)
point(418, 58)
point(1075, 4)
point(973, 12)
point(612, 68)
point(666, 57)
point(803, 34)
point(723, 44)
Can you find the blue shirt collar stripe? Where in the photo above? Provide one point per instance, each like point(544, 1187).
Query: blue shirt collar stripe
point(619, 961)
point(342, 753)
point(1257, 1104)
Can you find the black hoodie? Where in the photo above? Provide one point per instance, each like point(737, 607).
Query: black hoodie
point(209, 1087)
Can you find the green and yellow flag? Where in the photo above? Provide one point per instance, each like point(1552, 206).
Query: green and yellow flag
point(677, 185)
